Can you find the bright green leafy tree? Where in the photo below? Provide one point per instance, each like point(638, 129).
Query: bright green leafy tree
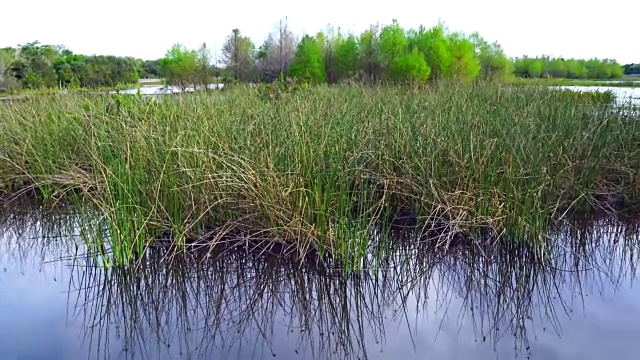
point(465, 65)
point(238, 54)
point(179, 66)
point(308, 62)
point(434, 44)
point(347, 58)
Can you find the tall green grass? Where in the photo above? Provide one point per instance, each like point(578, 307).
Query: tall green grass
point(320, 167)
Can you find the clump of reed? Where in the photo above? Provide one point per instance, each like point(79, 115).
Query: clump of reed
point(321, 166)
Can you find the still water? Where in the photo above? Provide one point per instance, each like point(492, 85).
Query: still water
point(163, 89)
point(579, 302)
point(625, 96)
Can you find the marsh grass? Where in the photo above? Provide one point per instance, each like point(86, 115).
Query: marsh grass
point(321, 167)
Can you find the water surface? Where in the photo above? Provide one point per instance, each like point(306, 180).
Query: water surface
point(624, 95)
point(577, 303)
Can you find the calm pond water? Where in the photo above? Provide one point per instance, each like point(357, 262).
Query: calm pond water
point(426, 303)
point(162, 89)
point(624, 95)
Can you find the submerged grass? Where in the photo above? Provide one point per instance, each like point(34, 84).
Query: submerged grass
point(321, 167)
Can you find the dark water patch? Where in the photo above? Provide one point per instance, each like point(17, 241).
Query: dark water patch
point(575, 300)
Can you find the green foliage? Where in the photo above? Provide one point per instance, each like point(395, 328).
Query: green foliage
point(575, 69)
point(150, 69)
point(204, 71)
point(400, 63)
point(381, 53)
point(308, 63)
point(37, 66)
point(370, 62)
point(631, 69)
point(549, 67)
point(434, 44)
point(529, 68)
point(180, 66)
point(347, 58)
point(410, 68)
point(238, 56)
point(393, 44)
point(465, 64)
point(494, 63)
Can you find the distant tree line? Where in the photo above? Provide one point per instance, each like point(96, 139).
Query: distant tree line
point(380, 54)
point(34, 65)
point(387, 53)
point(392, 54)
point(544, 67)
point(632, 69)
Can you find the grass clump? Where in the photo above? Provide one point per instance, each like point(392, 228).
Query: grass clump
point(322, 166)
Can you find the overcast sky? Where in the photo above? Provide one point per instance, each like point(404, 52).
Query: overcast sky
point(146, 28)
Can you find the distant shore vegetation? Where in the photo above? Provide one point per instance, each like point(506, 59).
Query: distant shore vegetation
point(381, 54)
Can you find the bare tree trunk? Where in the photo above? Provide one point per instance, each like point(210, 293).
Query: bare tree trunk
point(281, 43)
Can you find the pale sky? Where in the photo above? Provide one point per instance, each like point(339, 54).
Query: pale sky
point(146, 28)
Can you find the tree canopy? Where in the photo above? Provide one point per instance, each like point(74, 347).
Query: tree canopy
point(546, 66)
point(632, 69)
point(34, 65)
point(388, 53)
point(308, 62)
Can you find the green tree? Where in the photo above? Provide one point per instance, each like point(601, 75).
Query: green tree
point(631, 69)
point(494, 63)
point(179, 66)
point(434, 44)
point(33, 65)
point(410, 68)
point(36, 66)
point(346, 58)
point(369, 55)
point(529, 67)
point(204, 73)
point(71, 69)
point(238, 56)
point(400, 64)
point(575, 69)
point(568, 68)
point(556, 68)
point(330, 42)
point(614, 69)
point(465, 65)
point(393, 46)
point(594, 68)
point(308, 63)
point(7, 58)
point(150, 69)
